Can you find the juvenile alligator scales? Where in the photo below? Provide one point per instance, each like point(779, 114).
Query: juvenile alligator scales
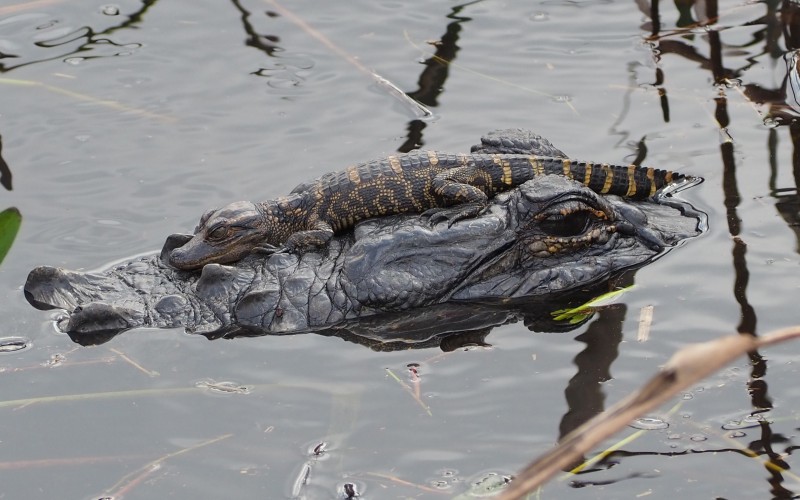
point(413, 182)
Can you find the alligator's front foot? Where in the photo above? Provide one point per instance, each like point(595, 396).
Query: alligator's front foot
point(268, 250)
point(312, 239)
point(453, 214)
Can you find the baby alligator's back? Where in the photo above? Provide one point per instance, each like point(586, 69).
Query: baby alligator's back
point(420, 180)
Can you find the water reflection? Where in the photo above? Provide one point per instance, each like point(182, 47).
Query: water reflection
point(5, 171)
point(431, 82)
point(781, 18)
point(77, 44)
point(10, 218)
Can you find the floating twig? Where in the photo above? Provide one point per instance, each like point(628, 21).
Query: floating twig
point(124, 357)
point(411, 391)
point(129, 481)
point(430, 55)
point(686, 367)
point(416, 107)
point(115, 105)
point(403, 482)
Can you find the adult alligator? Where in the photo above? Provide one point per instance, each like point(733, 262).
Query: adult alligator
point(550, 235)
point(415, 182)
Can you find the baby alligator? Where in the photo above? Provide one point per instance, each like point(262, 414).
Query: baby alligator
point(413, 182)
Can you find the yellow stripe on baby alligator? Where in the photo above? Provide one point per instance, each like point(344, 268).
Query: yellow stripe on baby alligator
point(394, 162)
point(631, 180)
point(587, 177)
point(433, 158)
point(536, 165)
point(609, 178)
point(567, 165)
point(506, 179)
point(352, 174)
point(651, 176)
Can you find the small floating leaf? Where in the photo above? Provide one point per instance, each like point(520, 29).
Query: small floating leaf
point(10, 220)
point(583, 311)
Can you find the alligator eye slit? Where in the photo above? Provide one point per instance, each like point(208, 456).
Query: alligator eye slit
point(218, 233)
point(566, 225)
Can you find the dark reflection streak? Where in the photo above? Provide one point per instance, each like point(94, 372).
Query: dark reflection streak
point(263, 43)
point(5, 172)
point(747, 323)
point(583, 393)
point(641, 152)
point(757, 386)
point(794, 131)
point(432, 79)
point(91, 37)
point(655, 18)
point(776, 479)
point(745, 452)
point(772, 147)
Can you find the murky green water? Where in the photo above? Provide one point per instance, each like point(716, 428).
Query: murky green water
point(122, 123)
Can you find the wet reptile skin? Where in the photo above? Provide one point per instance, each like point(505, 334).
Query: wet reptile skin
point(413, 182)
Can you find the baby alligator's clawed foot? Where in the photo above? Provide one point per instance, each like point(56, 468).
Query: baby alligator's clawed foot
point(268, 250)
point(451, 215)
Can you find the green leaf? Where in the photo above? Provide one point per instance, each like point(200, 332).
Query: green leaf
point(10, 220)
point(583, 311)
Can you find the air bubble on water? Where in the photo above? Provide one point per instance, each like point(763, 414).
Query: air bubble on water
point(83, 137)
point(440, 484)
point(649, 424)
point(110, 10)
point(698, 438)
point(540, 16)
point(13, 344)
point(744, 423)
point(732, 83)
point(74, 61)
point(737, 434)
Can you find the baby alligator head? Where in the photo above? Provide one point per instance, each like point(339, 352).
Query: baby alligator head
point(223, 236)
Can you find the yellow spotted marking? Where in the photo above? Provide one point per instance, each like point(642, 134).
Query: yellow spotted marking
point(587, 176)
point(536, 165)
point(352, 174)
point(433, 158)
point(567, 164)
point(651, 176)
point(394, 162)
point(609, 178)
point(506, 166)
point(631, 180)
point(463, 159)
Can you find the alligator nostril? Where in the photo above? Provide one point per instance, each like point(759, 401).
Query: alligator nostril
point(173, 243)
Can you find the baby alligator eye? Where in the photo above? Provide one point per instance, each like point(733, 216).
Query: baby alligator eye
point(218, 233)
point(572, 224)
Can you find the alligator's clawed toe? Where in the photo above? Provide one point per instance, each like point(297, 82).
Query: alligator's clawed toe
point(451, 215)
point(268, 250)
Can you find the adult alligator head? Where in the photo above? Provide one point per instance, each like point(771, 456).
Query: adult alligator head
point(551, 235)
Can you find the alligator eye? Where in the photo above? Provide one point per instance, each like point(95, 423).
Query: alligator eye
point(572, 224)
point(218, 233)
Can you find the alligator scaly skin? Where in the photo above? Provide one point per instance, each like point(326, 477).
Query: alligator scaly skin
point(413, 182)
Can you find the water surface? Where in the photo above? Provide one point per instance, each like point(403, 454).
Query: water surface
point(123, 123)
